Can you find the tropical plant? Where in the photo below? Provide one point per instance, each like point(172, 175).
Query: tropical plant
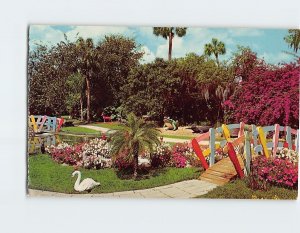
point(134, 138)
point(293, 39)
point(216, 47)
point(86, 62)
point(75, 83)
point(169, 33)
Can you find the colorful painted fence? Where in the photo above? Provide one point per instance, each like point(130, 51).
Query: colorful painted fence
point(35, 143)
point(39, 123)
point(255, 140)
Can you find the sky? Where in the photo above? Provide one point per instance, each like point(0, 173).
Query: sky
point(267, 43)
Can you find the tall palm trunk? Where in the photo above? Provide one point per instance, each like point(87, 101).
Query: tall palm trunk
point(170, 46)
point(217, 59)
point(88, 99)
point(81, 108)
point(135, 164)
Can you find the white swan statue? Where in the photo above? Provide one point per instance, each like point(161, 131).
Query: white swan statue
point(86, 185)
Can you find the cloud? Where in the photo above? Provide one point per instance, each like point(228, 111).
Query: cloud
point(96, 32)
point(245, 32)
point(44, 34)
point(154, 46)
point(148, 55)
point(275, 58)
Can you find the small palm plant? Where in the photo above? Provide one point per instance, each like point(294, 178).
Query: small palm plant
point(136, 137)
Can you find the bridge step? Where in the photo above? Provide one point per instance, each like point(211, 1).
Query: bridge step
point(221, 172)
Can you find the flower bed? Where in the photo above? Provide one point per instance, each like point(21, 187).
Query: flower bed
point(93, 154)
point(282, 172)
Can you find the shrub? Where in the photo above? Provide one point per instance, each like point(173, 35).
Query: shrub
point(123, 162)
point(267, 96)
point(64, 153)
point(96, 154)
point(92, 154)
point(275, 171)
point(182, 155)
point(161, 156)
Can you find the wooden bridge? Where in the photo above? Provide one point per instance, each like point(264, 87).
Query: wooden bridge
point(221, 172)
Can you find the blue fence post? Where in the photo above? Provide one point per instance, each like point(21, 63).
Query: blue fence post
point(212, 141)
point(247, 153)
point(289, 136)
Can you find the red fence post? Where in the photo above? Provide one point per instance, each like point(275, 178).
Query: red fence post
point(234, 160)
point(199, 153)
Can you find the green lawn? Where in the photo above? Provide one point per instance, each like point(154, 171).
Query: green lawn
point(177, 136)
point(45, 174)
point(109, 125)
point(79, 130)
point(238, 190)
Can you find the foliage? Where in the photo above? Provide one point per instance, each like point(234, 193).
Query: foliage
point(273, 171)
point(216, 48)
point(161, 156)
point(45, 174)
point(104, 68)
point(136, 136)
point(293, 39)
point(47, 73)
point(189, 89)
point(238, 189)
point(169, 33)
point(64, 153)
point(74, 88)
point(274, 100)
point(182, 155)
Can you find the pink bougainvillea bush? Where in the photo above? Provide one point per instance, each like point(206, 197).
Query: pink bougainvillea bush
point(266, 95)
point(274, 171)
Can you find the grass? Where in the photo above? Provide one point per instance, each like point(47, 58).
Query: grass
point(177, 136)
point(238, 190)
point(109, 125)
point(45, 174)
point(79, 130)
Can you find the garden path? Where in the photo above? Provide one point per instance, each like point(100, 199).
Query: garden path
point(183, 189)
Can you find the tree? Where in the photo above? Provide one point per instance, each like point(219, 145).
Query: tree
point(293, 39)
point(169, 33)
point(48, 69)
point(86, 58)
point(118, 55)
point(270, 95)
point(136, 137)
point(216, 47)
point(75, 86)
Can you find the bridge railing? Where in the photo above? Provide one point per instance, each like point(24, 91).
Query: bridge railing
point(253, 138)
point(39, 123)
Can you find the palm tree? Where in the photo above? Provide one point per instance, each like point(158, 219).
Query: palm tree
point(293, 39)
point(216, 47)
point(169, 33)
point(135, 138)
point(86, 61)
